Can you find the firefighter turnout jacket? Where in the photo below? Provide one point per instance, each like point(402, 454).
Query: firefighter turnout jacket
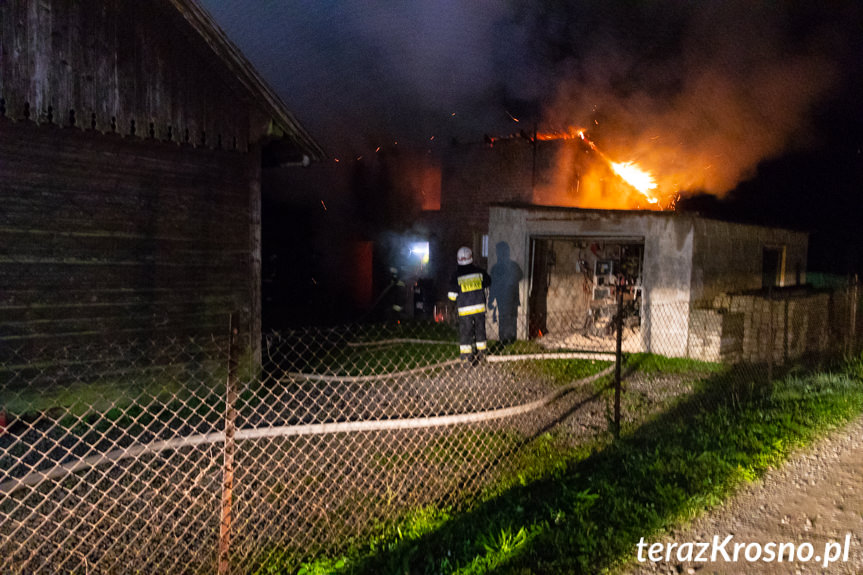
point(467, 289)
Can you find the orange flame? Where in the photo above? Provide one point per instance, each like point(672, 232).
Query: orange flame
point(634, 175)
point(637, 178)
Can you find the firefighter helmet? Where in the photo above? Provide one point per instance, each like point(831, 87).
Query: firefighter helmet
point(465, 256)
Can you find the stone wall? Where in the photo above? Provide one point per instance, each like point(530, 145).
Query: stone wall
point(754, 328)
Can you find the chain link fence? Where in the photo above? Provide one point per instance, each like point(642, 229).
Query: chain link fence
point(187, 456)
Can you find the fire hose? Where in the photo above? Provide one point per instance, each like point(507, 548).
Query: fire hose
point(139, 449)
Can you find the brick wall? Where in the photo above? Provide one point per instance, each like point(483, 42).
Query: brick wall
point(477, 175)
point(753, 328)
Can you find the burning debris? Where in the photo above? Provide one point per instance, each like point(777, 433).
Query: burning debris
point(603, 184)
point(631, 173)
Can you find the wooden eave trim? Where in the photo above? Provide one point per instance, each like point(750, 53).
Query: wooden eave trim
point(246, 75)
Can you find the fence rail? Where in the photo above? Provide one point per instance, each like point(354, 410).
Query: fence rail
point(185, 456)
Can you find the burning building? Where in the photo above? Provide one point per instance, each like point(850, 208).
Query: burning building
point(560, 169)
point(560, 224)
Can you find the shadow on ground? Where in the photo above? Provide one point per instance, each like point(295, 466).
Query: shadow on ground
point(589, 515)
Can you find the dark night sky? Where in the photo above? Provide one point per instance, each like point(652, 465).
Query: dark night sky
point(768, 96)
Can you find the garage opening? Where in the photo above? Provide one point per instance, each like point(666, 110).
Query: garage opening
point(573, 286)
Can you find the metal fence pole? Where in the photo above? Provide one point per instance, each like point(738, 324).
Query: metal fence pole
point(618, 357)
point(771, 336)
point(226, 517)
point(852, 328)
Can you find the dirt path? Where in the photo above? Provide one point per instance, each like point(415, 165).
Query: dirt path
point(816, 498)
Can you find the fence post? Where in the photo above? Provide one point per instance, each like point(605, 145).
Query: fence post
point(852, 328)
point(770, 335)
point(226, 517)
point(618, 357)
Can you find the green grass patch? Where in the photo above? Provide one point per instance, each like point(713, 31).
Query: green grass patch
point(408, 329)
point(565, 371)
point(464, 446)
point(517, 347)
point(380, 359)
point(649, 363)
point(101, 395)
point(82, 392)
point(583, 509)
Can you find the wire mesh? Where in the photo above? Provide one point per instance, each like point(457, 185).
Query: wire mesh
point(111, 454)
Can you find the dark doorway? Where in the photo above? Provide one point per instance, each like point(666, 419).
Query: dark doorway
point(771, 268)
point(538, 288)
point(574, 282)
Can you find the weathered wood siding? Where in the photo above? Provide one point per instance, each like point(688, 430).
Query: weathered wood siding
point(118, 237)
point(116, 64)
point(129, 189)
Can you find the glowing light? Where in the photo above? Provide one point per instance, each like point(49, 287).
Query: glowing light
point(421, 250)
point(637, 178)
point(438, 317)
point(631, 173)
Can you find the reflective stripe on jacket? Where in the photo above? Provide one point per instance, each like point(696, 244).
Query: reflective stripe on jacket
point(467, 289)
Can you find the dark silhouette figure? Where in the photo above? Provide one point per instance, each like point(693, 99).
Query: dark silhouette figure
point(503, 294)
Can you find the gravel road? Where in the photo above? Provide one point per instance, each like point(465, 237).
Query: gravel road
point(815, 498)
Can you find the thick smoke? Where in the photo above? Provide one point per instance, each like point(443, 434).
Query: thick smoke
point(699, 99)
point(699, 92)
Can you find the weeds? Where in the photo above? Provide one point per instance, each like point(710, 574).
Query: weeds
point(583, 509)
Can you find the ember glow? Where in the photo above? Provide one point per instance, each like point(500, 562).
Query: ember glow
point(596, 190)
point(631, 173)
point(637, 178)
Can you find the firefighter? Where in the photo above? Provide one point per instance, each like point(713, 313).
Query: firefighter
point(467, 289)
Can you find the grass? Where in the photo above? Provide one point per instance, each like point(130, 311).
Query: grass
point(360, 359)
point(376, 360)
point(124, 396)
point(564, 371)
point(100, 395)
point(410, 330)
point(582, 509)
point(366, 350)
point(561, 507)
point(649, 363)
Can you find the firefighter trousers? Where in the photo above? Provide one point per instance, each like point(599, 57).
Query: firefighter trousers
point(471, 335)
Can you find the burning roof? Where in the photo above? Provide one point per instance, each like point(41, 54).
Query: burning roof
point(583, 175)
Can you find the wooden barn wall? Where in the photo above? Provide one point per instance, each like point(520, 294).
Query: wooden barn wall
point(117, 66)
point(118, 237)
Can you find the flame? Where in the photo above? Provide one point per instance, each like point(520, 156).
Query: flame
point(634, 175)
point(585, 186)
point(637, 178)
point(569, 134)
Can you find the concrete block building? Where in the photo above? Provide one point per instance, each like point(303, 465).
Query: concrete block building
point(558, 272)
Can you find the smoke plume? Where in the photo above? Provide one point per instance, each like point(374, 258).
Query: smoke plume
point(698, 99)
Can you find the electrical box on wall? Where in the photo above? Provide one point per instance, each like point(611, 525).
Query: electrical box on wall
point(600, 293)
point(603, 272)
